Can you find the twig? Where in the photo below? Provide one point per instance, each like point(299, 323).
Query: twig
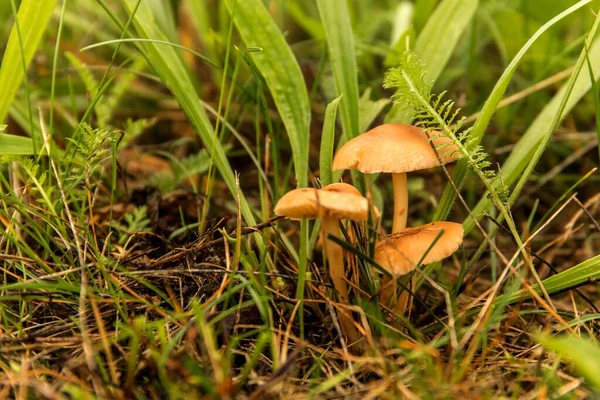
point(585, 210)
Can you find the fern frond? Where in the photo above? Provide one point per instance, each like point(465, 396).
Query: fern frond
point(434, 113)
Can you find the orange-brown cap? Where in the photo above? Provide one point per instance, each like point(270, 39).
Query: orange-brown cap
point(341, 187)
point(394, 148)
point(338, 200)
point(401, 252)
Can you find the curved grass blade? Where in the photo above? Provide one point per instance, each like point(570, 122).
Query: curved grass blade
point(520, 163)
point(340, 42)
point(460, 171)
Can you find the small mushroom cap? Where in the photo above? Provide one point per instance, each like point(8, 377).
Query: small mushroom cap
point(401, 252)
point(345, 188)
point(340, 202)
point(394, 148)
point(341, 188)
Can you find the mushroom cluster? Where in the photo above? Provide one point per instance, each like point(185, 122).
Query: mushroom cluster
point(398, 149)
point(390, 148)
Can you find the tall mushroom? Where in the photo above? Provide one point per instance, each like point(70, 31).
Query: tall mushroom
point(402, 252)
point(395, 149)
point(331, 204)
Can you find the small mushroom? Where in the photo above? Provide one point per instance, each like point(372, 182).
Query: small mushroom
point(395, 149)
point(402, 252)
point(331, 204)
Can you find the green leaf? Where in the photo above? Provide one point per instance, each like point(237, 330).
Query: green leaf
point(164, 17)
point(340, 42)
point(581, 352)
point(169, 66)
point(282, 74)
point(33, 17)
point(595, 93)
point(369, 110)
point(422, 12)
point(542, 127)
point(442, 32)
point(436, 43)
point(587, 271)
point(327, 141)
point(460, 171)
point(15, 145)
point(311, 25)
point(199, 14)
point(401, 21)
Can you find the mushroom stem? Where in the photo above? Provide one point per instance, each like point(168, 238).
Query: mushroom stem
point(335, 260)
point(388, 294)
point(400, 202)
point(404, 302)
point(400, 217)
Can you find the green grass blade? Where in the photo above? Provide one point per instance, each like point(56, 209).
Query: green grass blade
point(164, 42)
point(587, 271)
point(438, 39)
point(422, 12)
point(460, 171)
point(595, 93)
point(436, 43)
point(327, 141)
point(311, 25)
point(515, 165)
point(199, 14)
point(545, 139)
point(33, 17)
point(583, 353)
point(15, 145)
point(369, 110)
point(164, 17)
point(169, 66)
point(282, 75)
point(340, 41)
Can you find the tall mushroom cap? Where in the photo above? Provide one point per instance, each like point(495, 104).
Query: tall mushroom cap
point(394, 148)
point(401, 252)
point(339, 202)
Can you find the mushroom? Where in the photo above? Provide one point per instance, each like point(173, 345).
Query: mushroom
point(402, 252)
point(331, 204)
point(395, 149)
